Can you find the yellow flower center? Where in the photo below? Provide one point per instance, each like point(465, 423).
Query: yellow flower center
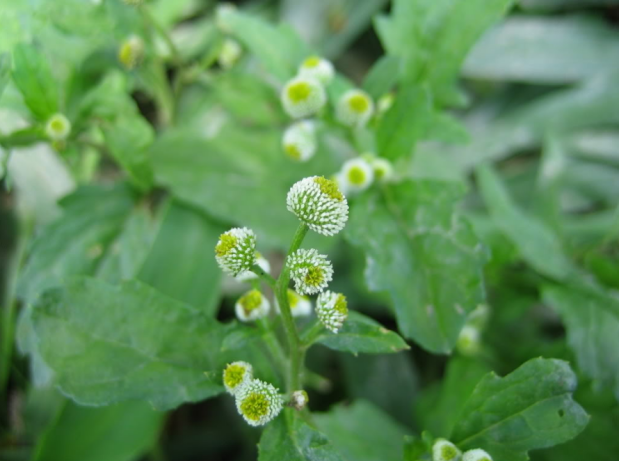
point(255, 406)
point(341, 304)
point(358, 103)
point(233, 375)
point(314, 277)
point(448, 452)
point(356, 176)
point(292, 151)
point(57, 124)
point(251, 301)
point(311, 62)
point(329, 188)
point(227, 242)
point(299, 91)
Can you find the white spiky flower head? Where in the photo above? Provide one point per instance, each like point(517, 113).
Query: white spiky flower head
point(444, 450)
point(357, 174)
point(318, 202)
point(468, 342)
point(236, 375)
point(58, 127)
point(310, 271)
point(252, 306)
point(317, 68)
point(299, 399)
point(300, 305)
point(261, 262)
point(302, 97)
point(229, 53)
point(477, 454)
point(235, 251)
point(131, 52)
point(259, 402)
point(299, 141)
point(354, 108)
point(331, 309)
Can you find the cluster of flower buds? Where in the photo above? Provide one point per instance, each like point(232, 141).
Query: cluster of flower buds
point(358, 174)
point(444, 450)
point(257, 401)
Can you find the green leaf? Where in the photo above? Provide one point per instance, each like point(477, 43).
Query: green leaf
point(530, 408)
point(288, 437)
point(5, 70)
point(33, 77)
point(181, 263)
point(110, 343)
point(548, 50)
point(591, 320)
point(361, 334)
point(424, 254)
point(376, 435)
point(536, 242)
point(404, 123)
point(382, 76)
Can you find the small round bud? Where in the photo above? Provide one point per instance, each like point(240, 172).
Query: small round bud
point(444, 450)
point(235, 251)
point(357, 174)
point(58, 127)
point(468, 342)
point(300, 305)
point(354, 108)
point(299, 399)
point(229, 53)
point(384, 171)
point(318, 202)
point(331, 309)
point(258, 402)
point(261, 262)
point(310, 271)
point(384, 103)
point(302, 97)
point(317, 68)
point(476, 455)
point(131, 52)
point(299, 141)
point(252, 306)
point(236, 375)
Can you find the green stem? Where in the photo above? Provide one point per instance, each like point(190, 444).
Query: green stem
point(264, 275)
point(311, 334)
point(274, 346)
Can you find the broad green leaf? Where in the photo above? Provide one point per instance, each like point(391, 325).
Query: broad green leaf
point(530, 408)
point(537, 243)
point(362, 432)
point(181, 263)
point(361, 334)
point(538, 49)
point(289, 437)
point(424, 254)
point(120, 432)
point(404, 123)
point(382, 76)
point(591, 320)
point(5, 70)
point(110, 343)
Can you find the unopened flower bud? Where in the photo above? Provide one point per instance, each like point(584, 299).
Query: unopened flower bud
point(310, 271)
point(300, 305)
point(354, 108)
point(384, 171)
point(58, 127)
point(229, 53)
point(317, 68)
point(384, 103)
point(302, 97)
point(468, 342)
point(476, 455)
point(235, 251)
point(236, 375)
point(131, 52)
point(299, 399)
point(331, 309)
point(258, 402)
point(252, 306)
point(357, 175)
point(299, 141)
point(443, 450)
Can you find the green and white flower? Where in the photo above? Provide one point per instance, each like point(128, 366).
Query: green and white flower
point(444, 450)
point(310, 271)
point(299, 141)
point(354, 108)
point(331, 309)
point(58, 127)
point(236, 375)
point(261, 262)
point(317, 68)
point(300, 305)
point(357, 175)
point(229, 53)
point(477, 454)
point(235, 251)
point(468, 342)
point(252, 306)
point(318, 202)
point(302, 97)
point(299, 399)
point(259, 402)
point(131, 52)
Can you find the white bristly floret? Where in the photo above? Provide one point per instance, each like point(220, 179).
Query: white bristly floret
point(302, 97)
point(318, 202)
point(331, 309)
point(299, 141)
point(259, 402)
point(354, 108)
point(229, 53)
point(252, 306)
point(318, 68)
point(310, 271)
point(357, 174)
point(477, 454)
point(235, 251)
point(444, 450)
point(58, 127)
point(236, 375)
point(261, 262)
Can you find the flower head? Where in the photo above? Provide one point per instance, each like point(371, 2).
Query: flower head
point(331, 308)
point(299, 399)
point(229, 53)
point(319, 203)
point(236, 375)
point(303, 96)
point(354, 108)
point(131, 52)
point(476, 455)
point(58, 127)
point(317, 68)
point(443, 450)
point(300, 305)
point(252, 306)
point(357, 175)
point(235, 251)
point(261, 262)
point(310, 271)
point(299, 141)
point(258, 402)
